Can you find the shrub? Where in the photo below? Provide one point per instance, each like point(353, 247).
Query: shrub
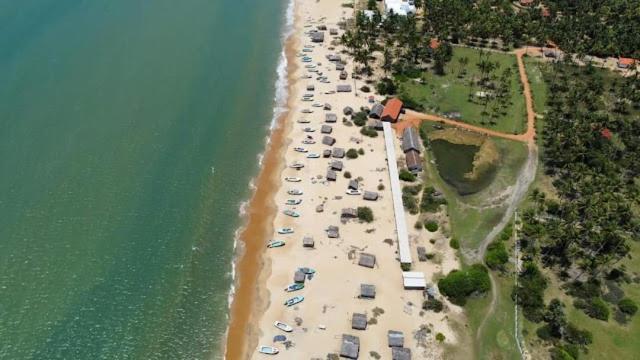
point(530, 292)
point(558, 353)
point(380, 187)
point(365, 214)
point(347, 175)
point(575, 336)
point(411, 189)
point(440, 337)
point(460, 284)
point(418, 225)
point(367, 131)
point(360, 118)
point(352, 154)
point(410, 203)
point(496, 255)
point(434, 305)
point(365, 89)
point(386, 86)
point(597, 309)
point(628, 306)
point(454, 243)
point(431, 226)
point(406, 175)
point(430, 203)
point(361, 151)
point(405, 266)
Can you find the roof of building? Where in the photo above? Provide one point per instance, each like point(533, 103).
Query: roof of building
point(399, 7)
point(400, 353)
point(367, 260)
point(376, 110)
point(359, 321)
point(606, 133)
point(370, 195)
point(626, 61)
point(350, 346)
point(392, 108)
point(413, 280)
point(434, 43)
point(336, 165)
point(410, 140)
point(328, 140)
point(367, 291)
point(395, 338)
point(338, 153)
point(326, 129)
point(413, 160)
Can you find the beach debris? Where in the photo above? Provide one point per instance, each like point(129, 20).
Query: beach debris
point(367, 260)
point(320, 208)
point(298, 321)
point(350, 347)
point(395, 338)
point(367, 291)
point(359, 321)
point(400, 353)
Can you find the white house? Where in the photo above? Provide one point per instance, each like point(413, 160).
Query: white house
point(399, 7)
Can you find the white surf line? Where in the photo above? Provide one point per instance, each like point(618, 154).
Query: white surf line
point(396, 192)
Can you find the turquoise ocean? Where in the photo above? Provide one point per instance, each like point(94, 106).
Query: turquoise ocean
point(129, 133)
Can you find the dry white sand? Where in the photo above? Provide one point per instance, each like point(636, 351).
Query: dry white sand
point(331, 297)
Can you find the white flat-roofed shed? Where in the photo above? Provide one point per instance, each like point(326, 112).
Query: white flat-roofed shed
point(396, 192)
point(414, 280)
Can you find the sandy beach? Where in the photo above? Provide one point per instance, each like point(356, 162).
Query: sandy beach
point(331, 295)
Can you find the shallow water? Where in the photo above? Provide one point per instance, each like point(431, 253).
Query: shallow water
point(454, 161)
point(129, 131)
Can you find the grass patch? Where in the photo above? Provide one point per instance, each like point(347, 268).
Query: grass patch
point(452, 92)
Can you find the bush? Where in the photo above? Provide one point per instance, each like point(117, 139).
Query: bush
point(628, 306)
point(367, 131)
point(434, 305)
point(597, 309)
point(410, 203)
point(380, 187)
point(411, 189)
point(347, 175)
point(405, 266)
point(429, 202)
point(431, 226)
point(440, 337)
point(365, 214)
point(575, 336)
point(530, 292)
point(460, 284)
point(406, 175)
point(361, 151)
point(496, 255)
point(454, 243)
point(360, 118)
point(418, 225)
point(386, 86)
point(365, 89)
point(352, 154)
point(558, 353)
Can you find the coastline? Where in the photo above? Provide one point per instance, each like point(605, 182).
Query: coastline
point(249, 294)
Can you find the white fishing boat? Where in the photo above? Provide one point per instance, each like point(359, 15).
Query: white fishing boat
point(292, 179)
point(313, 156)
point(303, 121)
point(284, 231)
point(269, 350)
point(282, 326)
point(354, 192)
point(300, 149)
point(294, 192)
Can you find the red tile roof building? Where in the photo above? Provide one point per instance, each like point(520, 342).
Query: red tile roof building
point(391, 110)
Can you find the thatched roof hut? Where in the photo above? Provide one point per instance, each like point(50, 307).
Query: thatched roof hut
point(328, 140)
point(331, 175)
point(359, 321)
point(410, 140)
point(326, 129)
point(376, 111)
point(367, 291)
point(348, 110)
point(343, 88)
point(367, 260)
point(327, 106)
point(395, 338)
point(349, 213)
point(353, 184)
point(308, 242)
point(350, 347)
point(400, 353)
point(299, 277)
point(336, 165)
point(326, 153)
point(333, 231)
point(337, 153)
point(317, 36)
point(370, 195)
point(330, 117)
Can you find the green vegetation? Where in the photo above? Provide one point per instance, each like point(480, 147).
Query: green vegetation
point(440, 337)
point(530, 292)
point(454, 243)
point(458, 285)
point(434, 305)
point(361, 151)
point(431, 226)
point(406, 175)
point(347, 175)
point(431, 200)
point(365, 214)
point(380, 187)
point(628, 306)
point(418, 225)
point(368, 131)
point(497, 255)
point(409, 198)
point(360, 118)
point(352, 154)
point(595, 308)
point(482, 87)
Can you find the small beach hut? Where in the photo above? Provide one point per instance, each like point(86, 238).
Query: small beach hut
point(376, 111)
point(339, 66)
point(349, 213)
point(308, 242)
point(414, 162)
point(400, 353)
point(311, 87)
point(331, 175)
point(333, 231)
point(333, 31)
point(350, 347)
point(367, 260)
point(344, 88)
point(391, 111)
point(422, 253)
point(410, 140)
point(326, 129)
point(413, 280)
point(395, 338)
point(374, 124)
point(330, 117)
point(343, 76)
point(367, 291)
point(370, 196)
point(359, 321)
point(327, 106)
point(326, 153)
point(336, 165)
point(317, 37)
point(353, 184)
point(299, 277)
point(348, 110)
point(337, 153)
point(322, 27)
point(328, 140)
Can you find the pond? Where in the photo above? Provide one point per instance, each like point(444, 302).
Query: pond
point(454, 161)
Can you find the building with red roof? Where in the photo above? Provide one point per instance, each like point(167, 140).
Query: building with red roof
point(606, 133)
point(434, 43)
point(625, 63)
point(391, 111)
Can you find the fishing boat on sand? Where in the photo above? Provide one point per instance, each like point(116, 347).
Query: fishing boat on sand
point(269, 350)
point(275, 243)
point(307, 271)
point(294, 192)
point(291, 213)
point(294, 287)
point(292, 179)
point(284, 231)
point(282, 326)
point(294, 300)
point(294, 201)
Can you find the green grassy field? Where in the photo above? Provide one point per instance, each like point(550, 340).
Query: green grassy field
point(448, 93)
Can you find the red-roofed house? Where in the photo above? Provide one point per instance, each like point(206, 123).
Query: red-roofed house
point(434, 43)
point(526, 2)
point(545, 12)
point(625, 63)
point(391, 110)
point(606, 133)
